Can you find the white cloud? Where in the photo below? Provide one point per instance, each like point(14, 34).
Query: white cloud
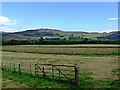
point(6, 23)
point(5, 28)
point(112, 19)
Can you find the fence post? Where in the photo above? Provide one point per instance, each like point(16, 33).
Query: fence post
point(43, 72)
point(52, 71)
point(30, 70)
point(77, 76)
point(19, 69)
point(14, 67)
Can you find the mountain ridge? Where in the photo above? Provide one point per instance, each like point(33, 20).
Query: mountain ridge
point(37, 33)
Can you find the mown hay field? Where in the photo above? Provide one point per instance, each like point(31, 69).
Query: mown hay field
point(66, 49)
point(96, 70)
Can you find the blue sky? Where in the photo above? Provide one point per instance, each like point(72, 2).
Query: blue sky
point(66, 16)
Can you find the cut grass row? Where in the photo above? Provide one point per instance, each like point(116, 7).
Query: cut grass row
point(71, 46)
point(83, 54)
point(62, 50)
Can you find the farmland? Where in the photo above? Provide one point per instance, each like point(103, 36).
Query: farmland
point(65, 49)
point(98, 64)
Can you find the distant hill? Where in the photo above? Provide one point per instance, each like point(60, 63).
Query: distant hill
point(39, 32)
point(52, 33)
point(30, 34)
point(113, 36)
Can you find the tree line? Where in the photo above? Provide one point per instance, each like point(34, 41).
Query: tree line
point(60, 42)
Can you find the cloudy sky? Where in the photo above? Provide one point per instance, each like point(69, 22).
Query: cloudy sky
point(66, 16)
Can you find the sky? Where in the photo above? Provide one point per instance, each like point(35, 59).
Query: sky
point(60, 0)
point(66, 16)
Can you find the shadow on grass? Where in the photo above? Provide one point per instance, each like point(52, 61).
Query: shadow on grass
point(86, 82)
point(35, 81)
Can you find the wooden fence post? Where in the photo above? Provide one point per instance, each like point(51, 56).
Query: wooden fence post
point(43, 72)
point(30, 70)
point(19, 69)
point(77, 76)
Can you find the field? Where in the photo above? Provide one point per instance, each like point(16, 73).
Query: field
point(66, 49)
point(98, 64)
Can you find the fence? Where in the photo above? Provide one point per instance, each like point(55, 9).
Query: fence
point(65, 73)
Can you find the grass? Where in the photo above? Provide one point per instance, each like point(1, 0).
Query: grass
point(67, 50)
point(92, 36)
point(93, 70)
point(32, 82)
point(96, 71)
point(100, 66)
point(8, 83)
point(24, 80)
point(116, 71)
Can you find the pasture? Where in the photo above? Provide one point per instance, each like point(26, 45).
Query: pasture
point(98, 64)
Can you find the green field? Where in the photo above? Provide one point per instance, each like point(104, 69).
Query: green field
point(98, 64)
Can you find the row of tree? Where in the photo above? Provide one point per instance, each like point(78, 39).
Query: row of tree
point(64, 42)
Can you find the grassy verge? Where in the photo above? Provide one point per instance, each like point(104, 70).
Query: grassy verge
point(24, 80)
point(31, 81)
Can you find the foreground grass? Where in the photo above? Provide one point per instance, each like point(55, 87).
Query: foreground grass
point(24, 80)
point(7, 83)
